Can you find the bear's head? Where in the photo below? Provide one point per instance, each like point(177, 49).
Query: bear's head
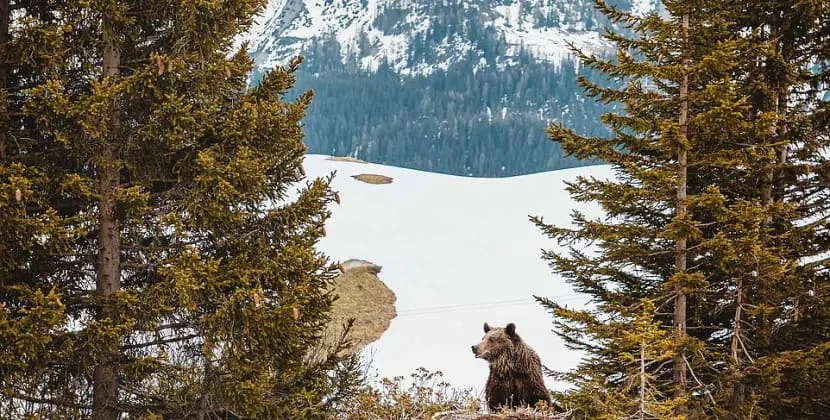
point(496, 342)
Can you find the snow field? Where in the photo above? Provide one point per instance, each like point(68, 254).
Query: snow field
point(457, 252)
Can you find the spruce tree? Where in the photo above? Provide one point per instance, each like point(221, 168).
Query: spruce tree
point(32, 231)
point(684, 120)
point(155, 261)
point(787, 313)
point(755, 224)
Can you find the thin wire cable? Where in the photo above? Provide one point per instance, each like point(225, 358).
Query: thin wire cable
point(477, 306)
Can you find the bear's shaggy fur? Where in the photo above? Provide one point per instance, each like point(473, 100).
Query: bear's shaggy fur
point(515, 369)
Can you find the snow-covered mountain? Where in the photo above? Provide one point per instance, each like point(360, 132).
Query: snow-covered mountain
point(463, 87)
point(374, 31)
point(457, 252)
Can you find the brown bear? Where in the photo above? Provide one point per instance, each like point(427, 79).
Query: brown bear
point(515, 369)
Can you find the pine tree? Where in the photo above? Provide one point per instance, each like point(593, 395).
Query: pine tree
point(755, 228)
point(685, 119)
point(31, 232)
point(637, 344)
point(787, 317)
point(155, 261)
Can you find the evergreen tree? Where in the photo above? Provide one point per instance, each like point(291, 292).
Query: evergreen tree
point(153, 259)
point(663, 237)
point(640, 343)
point(787, 316)
point(32, 231)
point(749, 240)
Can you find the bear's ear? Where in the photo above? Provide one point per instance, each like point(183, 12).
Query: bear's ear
point(511, 329)
point(486, 328)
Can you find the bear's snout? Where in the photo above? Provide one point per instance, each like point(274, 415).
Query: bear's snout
point(477, 352)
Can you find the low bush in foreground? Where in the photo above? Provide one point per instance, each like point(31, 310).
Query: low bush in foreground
point(420, 397)
point(425, 395)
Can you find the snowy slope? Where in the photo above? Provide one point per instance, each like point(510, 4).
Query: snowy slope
point(457, 252)
point(374, 31)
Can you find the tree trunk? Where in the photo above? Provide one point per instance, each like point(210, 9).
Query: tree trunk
point(779, 132)
point(736, 335)
point(202, 401)
point(105, 375)
point(5, 17)
point(781, 152)
point(642, 379)
point(680, 248)
point(736, 397)
point(780, 106)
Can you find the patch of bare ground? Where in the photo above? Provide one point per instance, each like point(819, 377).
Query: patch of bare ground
point(373, 178)
point(518, 414)
point(345, 159)
point(364, 297)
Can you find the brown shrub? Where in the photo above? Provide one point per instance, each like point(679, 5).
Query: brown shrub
point(424, 396)
point(345, 159)
point(373, 178)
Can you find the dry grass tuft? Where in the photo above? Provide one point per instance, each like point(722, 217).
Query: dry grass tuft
point(364, 297)
point(373, 178)
point(517, 414)
point(419, 396)
point(345, 159)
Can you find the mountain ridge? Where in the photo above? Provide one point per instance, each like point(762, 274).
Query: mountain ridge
point(458, 87)
point(376, 30)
